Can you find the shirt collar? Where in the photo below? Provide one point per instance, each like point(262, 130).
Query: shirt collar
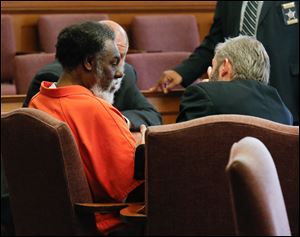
point(63, 91)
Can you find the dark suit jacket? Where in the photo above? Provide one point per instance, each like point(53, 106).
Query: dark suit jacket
point(281, 42)
point(128, 99)
point(246, 97)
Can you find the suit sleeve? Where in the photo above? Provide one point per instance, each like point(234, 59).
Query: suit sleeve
point(141, 113)
point(198, 62)
point(195, 103)
point(50, 73)
point(133, 104)
point(34, 87)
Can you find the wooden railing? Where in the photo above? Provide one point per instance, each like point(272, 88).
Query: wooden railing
point(11, 102)
point(166, 104)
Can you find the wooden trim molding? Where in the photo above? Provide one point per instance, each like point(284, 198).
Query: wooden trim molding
point(105, 6)
point(11, 102)
point(25, 14)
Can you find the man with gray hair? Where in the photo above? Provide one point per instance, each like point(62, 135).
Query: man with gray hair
point(237, 84)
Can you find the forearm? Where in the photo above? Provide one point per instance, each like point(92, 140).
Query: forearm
point(193, 67)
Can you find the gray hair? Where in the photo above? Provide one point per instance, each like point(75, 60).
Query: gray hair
point(248, 57)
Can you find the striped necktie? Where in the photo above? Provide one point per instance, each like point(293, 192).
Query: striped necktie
point(249, 21)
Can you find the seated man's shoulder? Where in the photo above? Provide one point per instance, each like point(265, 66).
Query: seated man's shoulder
point(91, 101)
point(51, 68)
point(93, 107)
point(130, 73)
point(218, 84)
point(200, 86)
point(50, 72)
point(210, 88)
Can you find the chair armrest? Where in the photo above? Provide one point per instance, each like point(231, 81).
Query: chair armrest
point(99, 207)
point(134, 213)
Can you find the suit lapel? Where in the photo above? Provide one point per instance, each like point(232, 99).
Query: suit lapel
point(236, 8)
point(235, 16)
point(265, 8)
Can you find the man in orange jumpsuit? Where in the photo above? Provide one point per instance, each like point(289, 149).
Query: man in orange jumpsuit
point(90, 59)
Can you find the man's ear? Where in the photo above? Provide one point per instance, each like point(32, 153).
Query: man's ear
point(226, 70)
point(88, 64)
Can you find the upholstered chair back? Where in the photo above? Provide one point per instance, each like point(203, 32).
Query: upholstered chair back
point(256, 195)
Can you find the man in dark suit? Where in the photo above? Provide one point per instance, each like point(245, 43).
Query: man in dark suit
point(238, 84)
point(277, 27)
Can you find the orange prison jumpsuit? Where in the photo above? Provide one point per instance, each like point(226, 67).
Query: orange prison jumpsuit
point(105, 143)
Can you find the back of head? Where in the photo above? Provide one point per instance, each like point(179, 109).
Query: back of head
point(78, 42)
point(248, 57)
point(121, 35)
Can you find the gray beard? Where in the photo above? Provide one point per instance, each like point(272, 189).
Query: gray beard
point(109, 94)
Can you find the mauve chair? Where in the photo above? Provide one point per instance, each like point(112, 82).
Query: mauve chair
point(257, 199)
point(50, 25)
point(174, 32)
point(186, 187)
point(150, 66)
point(26, 66)
point(8, 52)
point(48, 189)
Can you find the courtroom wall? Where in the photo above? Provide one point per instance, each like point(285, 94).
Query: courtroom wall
point(26, 13)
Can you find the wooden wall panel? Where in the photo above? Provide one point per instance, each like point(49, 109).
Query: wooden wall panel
point(25, 14)
point(105, 6)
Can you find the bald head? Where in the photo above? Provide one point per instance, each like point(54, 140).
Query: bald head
point(121, 35)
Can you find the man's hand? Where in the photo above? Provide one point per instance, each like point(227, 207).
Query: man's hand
point(168, 80)
point(143, 129)
point(140, 136)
